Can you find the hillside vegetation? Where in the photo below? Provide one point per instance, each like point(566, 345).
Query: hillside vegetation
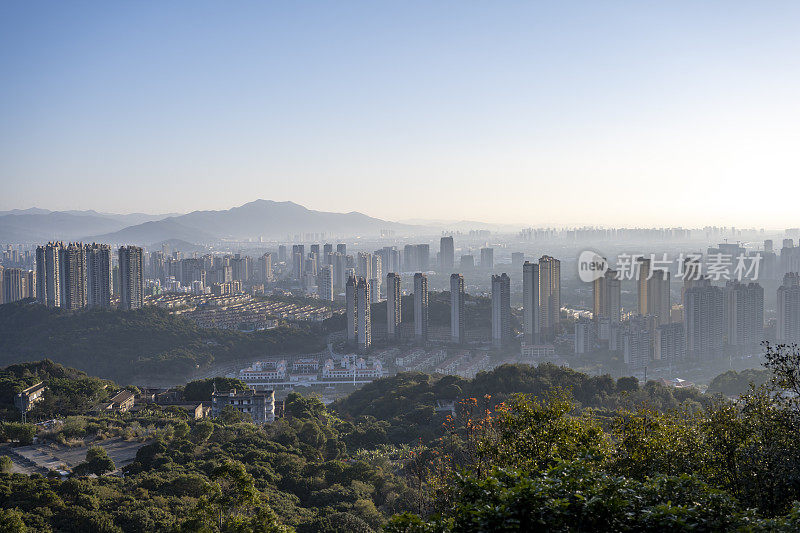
point(138, 346)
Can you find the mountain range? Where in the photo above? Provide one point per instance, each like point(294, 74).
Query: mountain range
point(260, 218)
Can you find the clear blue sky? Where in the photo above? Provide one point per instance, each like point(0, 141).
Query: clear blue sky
point(630, 113)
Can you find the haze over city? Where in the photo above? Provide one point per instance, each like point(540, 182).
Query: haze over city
point(399, 267)
point(570, 114)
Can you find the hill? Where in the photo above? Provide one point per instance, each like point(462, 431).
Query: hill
point(147, 346)
point(261, 218)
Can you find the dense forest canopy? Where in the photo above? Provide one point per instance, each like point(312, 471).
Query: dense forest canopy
point(525, 448)
point(148, 344)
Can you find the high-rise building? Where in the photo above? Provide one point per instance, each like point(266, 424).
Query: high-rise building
point(423, 256)
point(314, 250)
point(410, 258)
point(48, 274)
point(670, 343)
point(420, 307)
point(636, 343)
point(131, 278)
point(549, 295)
point(298, 261)
point(517, 260)
point(376, 278)
point(446, 254)
point(501, 309)
point(351, 304)
point(487, 258)
point(703, 321)
point(363, 303)
point(457, 326)
point(530, 302)
point(326, 283)
point(341, 248)
point(282, 253)
point(585, 336)
point(266, 267)
point(364, 265)
point(394, 309)
point(327, 249)
point(787, 330)
point(339, 269)
point(14, 285)
point(743, 314)
point(607, 292)
point(653, 289)
point(98, 275)
point(467, 263)
point(72, 260)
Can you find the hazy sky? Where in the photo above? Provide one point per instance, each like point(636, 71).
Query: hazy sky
point(626, 113)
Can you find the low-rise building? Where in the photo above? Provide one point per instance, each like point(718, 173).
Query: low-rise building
point(260, 405)
point(122, 401)
point(25, 399)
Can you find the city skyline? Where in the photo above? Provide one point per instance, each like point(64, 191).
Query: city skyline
point(568, 104)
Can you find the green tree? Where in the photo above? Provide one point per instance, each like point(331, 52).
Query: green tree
point(97, 462)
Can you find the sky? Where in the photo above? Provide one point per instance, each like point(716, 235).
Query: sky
point(632, 113)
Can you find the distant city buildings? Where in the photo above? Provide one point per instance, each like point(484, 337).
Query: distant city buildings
point(457, 323)
point(487, 259)
point(549, 295)
point(703, 321)
point(394, 310)
point(530, 303)
point(131, 274)
point(607, 294)
point(325, 289)
point(787, 330)
point(501, 309)
point(420, 307)
point(446, 254)
point(364, 315)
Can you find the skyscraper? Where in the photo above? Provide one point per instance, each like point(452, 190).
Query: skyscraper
point(607, 293)
point(266, 267)
point(72, 260)
point(457, 329)
point(410, 258)
point(363, 303)
point(702, 321)
point(364, 265)
point(375, 281)
point(788, 326)
point(585, 336)
point(636, 343)
point(530, 302)
point(98, 275)
point(487, 258)
point(131, 278)
point(670, 343)
point(423, 257)
point(501, 309)
point(14, 285)
point(653, 289)
point(394, 309)
point(327, 249)
point(420, 307)
point(743, 315)
point(298, 261)
point(446, 254)
point(48, 274)
point(341, 248)
point(326, 283)
point(352, 309)
point(549, 294)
